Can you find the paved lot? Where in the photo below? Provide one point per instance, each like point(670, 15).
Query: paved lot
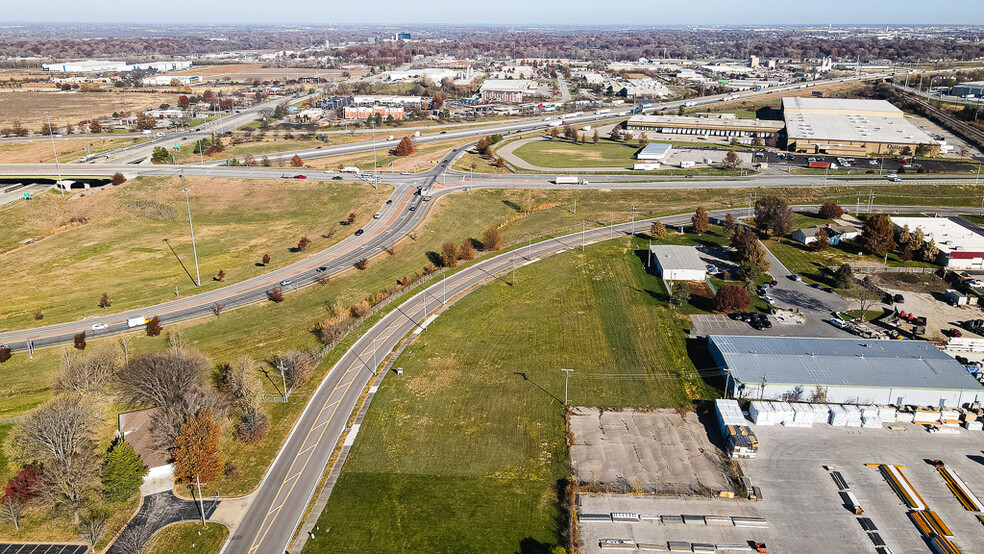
point(939, 315)
point(655, 532)
point(801, 502)
point(646, 452)
point(43, 549)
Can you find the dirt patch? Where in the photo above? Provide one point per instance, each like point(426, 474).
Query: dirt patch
point(645, 452)
point(913, 282)
point(587, 154)
point(447, 372)
point(71, 107)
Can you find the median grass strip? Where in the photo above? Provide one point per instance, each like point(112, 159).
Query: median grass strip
point(466, 451)
point(133, 241)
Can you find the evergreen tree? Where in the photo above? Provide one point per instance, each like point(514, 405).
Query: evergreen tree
point(122, 473)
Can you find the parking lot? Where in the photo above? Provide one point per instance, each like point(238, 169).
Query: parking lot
point(802, 506)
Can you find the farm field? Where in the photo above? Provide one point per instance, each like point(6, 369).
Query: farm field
point(69, 150)
point(466, 451)
point(28, 107)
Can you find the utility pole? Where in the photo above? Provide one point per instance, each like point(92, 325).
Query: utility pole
point(513, 264)
point(201, 153)
point(567, 374)
point(201, 505)
point(529, 247)
point(193, 247)
point(857, 208)
point(283, 378)
point(375, 177)
point(444, 282)
point(51, 133)
point(582, 235)
point(871, 199)
point(575, 200)
point(633, 219)
point(762, 391)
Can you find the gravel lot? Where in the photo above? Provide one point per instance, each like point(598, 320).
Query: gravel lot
point(940, 315)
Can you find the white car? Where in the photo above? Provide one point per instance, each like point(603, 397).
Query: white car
point(99, 326)
point(405, 173)
point(976, 283)
point(377, 215)
point(285, 282)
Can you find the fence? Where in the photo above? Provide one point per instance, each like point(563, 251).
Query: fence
point(892, 269)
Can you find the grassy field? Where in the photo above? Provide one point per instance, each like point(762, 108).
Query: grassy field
point(69, 151)
point(466, 452)
point(810, 264)
point(388, 162)
point(565, 154)
point(185, 538)
point(28, 106)
point(124, 246)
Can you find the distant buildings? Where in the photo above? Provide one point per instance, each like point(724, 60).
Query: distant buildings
point(508, 90)
point(961, 244)
point(969, 89)
point(168, 80)
point(849, 127)
point(107, 66)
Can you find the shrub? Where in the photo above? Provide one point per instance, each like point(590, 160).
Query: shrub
point(731, 298)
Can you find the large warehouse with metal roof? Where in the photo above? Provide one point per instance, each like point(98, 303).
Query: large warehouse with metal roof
point(851, 127)
point(851, 371)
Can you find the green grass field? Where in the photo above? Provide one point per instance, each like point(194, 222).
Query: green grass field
point(466, 451)
point(119, 241)
point(559, 153)
point(801, 259)
point(185, 538)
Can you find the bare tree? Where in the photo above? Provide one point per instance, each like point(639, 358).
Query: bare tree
point(87, 373)
point(243, 385)
point(865, 298)
point(297, 366)
point(124, 343)
point(69, 483)
point(11, 509)
point(56, 431)
point(91, 527)
point(217, 309)
point(161, 377)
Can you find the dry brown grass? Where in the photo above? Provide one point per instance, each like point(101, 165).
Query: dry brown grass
point(39, 151)
point(227, 69)
point(28, 106)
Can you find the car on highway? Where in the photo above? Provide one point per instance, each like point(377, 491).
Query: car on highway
point(336, 178)
point(427, 198)
point(896, 180)
point(99, 326)
point(319, 148)
point(390, 201)
point(872, 162)
point(689, 176)
point(405, 173)
point(359, 232)
point(285, 282)
point(412, 208)
point(300, 176)
point(377, 215)
point(322, 269)
point(975, 283)
point(815, 286)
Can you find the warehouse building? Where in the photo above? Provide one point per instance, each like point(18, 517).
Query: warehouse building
point(850, 371)
point(678, 263)
point(850, 127)
point(508, 90)
point(960, 242)
point(108, 66)
point(654, 152)
point(706, 126)
point(968, 90)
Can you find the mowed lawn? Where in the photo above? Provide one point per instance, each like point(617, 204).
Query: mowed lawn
point(560, 153)
point(133, 242)
point(466, 451)
point(189, 537)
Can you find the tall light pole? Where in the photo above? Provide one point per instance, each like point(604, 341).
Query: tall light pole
point(201, 152)
point(201, 504)
point(283, 377)
point(375, 177)
point(194, 248)
point(529, 248)
point(51, 133)
point(567, 374)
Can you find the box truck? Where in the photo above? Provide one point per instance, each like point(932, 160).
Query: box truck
point(136, 322)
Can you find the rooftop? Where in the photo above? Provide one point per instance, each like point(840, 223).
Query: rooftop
point(675, 256)
point(850, 362)
point(706, 122)
point(135, 428)
point(850, 120)
point(508, 85)
point(654, 150)
point(952, 234)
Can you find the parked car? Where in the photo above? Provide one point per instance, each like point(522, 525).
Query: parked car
point(839, 323)
point(898, 299)
point(955, 333)
point(377, 215)
point(405, 173)
point(975, 283)
point(815, 286)
point(99, 326)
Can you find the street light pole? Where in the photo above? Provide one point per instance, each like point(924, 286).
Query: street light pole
point(51, 133)
point(283, 378)
point(567, 374)
point(529, 247)
point(201, 505)
point(201, 153)
point(193, 247)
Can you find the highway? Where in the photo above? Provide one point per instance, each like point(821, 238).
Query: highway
point(275, 514)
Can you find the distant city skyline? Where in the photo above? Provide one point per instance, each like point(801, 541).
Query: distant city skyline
point(503, 12)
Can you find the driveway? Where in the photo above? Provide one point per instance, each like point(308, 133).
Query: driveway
point(157, 511)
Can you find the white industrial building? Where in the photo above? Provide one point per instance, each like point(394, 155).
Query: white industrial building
point(961, 243)
point(717, 126)
point(850, 371)
point(168, 80)
point(676, 262)
point(654, 151)
point(108, 66)
point(508, 90)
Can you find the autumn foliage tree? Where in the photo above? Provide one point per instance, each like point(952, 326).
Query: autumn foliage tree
point(491, 239)
point(80, 340)
point(657, 230)
point(830, 210)
point(773, 215)
point(729, 225)
point(266, 259)
point(821, 241)
point(748, 252)
point(154, 326)
point(449, 254)
point(104, 301)
point(303, 243)
point(877, 235)
point(467, 250)
point(118, 179)
point(731, 298)
point(4, 353)
point(296, 161)
point(196, 450)
point(699, 220)
point(406, 147)
point(276, 294)
point(731, 160)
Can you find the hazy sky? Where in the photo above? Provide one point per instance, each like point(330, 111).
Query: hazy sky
point(557, 12)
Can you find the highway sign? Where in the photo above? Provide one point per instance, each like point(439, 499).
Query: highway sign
point(27, 196)
point(177, 145)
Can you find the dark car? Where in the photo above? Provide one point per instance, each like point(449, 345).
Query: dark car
point(300, 176)
point(736, 316)
point(336, 178)
point(815, 286)
point(688, 176)
point(322, 269)
point(390, 201)
point(412, 208)
point(359, 232)
point(774, 283)
point(828, 289)
point(898, 299)
point(319, 148)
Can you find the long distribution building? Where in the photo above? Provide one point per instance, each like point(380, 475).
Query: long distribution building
point(849, 371)
point(705, 126)
point(852, 127)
